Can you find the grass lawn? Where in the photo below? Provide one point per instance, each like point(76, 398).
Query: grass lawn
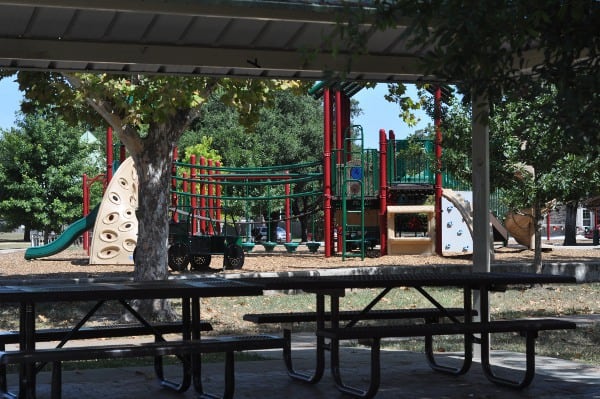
point(581, 345)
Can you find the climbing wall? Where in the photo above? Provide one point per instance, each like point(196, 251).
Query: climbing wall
point(115, 232)
point(457, 222)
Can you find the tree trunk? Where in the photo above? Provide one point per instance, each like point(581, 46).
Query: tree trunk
point(272, 223)
point(27, 234)
point(302, 218)
point(152, 156)
point(537, 257)
point(152, 165)
point(571, 224)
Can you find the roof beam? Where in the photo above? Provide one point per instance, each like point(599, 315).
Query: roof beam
point(282, 11)
point(211, 57)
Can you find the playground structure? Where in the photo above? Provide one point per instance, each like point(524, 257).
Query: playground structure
point(370, 198)
point(112, 222)
point(115, 230)
point(203, 198)
point(186, 247)
point(371, 195)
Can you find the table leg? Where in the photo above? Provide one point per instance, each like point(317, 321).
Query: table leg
point(27, 371)
point(317, 374)
point(467, 342)
point(186, 360)
point(530, 337)
point(334, 347)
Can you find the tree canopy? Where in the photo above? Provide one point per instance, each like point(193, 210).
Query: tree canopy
point(41, 164)
point(289, 132)
point(534, 164)
point(149, 115)
point(501, 46)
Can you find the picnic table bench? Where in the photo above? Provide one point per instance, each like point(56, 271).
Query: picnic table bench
point(188, 347)
point(287, 319)
point(181, 348)
point(475, 327)
point(62, 335)
point(528, 328)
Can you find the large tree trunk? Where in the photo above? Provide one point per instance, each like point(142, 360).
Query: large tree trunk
point(537, 257)
point(571, 224)
point(153, 168)
point(153, 160)
point(152, 156)
point(302, 218)
point(27, 234)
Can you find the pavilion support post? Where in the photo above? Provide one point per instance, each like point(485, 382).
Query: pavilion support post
point(481, 193)
point(481, 184)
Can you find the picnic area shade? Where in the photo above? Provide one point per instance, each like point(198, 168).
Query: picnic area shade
point(262, 39)
point(237, 38)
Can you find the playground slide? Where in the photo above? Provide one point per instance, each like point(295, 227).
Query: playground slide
point(63, 241)
point(521, 228)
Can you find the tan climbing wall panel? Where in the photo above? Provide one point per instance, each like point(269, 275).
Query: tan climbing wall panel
point(115, 232)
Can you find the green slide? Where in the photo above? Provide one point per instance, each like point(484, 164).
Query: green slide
point(63, 241)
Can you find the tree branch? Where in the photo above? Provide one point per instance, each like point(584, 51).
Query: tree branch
point(130, 138)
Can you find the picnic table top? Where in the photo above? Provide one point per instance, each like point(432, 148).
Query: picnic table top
point(380, 280)
point(73, 290)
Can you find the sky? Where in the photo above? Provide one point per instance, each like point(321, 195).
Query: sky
point(381, 114)
point(377, 112)
point(10, 98)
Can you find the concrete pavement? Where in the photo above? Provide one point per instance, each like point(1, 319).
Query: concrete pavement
point(404, 375)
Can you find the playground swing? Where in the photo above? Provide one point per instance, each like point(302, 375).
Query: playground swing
point(197, 249)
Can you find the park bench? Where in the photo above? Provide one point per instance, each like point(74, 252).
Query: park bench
point(181, 348)
point(61, 335)
point(528, 328)
point(429, 315)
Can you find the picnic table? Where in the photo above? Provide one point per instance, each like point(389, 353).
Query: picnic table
point(188, 348)
point(474, 325)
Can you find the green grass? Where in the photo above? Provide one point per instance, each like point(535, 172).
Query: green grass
point(579, 345)
point(13, 241)
point(226, 315)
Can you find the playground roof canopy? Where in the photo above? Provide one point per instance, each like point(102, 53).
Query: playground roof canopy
point(348, 88)
point(245, 38)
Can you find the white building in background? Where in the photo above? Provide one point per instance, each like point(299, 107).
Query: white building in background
point(555, 221)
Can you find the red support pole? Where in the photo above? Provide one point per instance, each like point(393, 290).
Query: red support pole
point(288, 222)
point(175, 215)
point(185, 184)
point(327, 228)
point(339, 126)
point(218, 199)
point(211, 201)
point(86, 211)
point(194, 193)
point(203, 196)
point(383, 192)
point(109, 154)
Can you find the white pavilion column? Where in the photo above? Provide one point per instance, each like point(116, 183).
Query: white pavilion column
point(481, 193)
point(481, 183)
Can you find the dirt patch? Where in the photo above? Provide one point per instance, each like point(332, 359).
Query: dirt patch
point(74, 263)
